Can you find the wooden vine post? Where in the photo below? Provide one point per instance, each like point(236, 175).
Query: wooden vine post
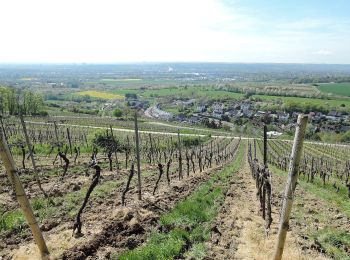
point(31, 154)
point(138, 156)
point(116, 148)
point(70, 142)
point(265, 145)
point(56, 130)
point(254, 148)
point(291, 184)
point(180, 154)
point(11, 171)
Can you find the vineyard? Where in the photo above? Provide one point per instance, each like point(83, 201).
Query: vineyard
point(97, 192)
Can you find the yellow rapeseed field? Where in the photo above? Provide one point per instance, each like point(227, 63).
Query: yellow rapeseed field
point(99, 94)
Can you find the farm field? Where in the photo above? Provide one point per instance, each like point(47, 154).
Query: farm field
point(335, 103)
point(181, 92)
point(198, 92)
point(341, 89)
point(99, 94)
point(193, 193)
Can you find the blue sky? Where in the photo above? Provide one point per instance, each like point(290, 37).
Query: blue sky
point(100, 31)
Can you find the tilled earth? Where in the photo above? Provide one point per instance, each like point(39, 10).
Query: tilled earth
point(238, 231)
point(108, 227)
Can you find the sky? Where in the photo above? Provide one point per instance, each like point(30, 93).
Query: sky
point(114, 31)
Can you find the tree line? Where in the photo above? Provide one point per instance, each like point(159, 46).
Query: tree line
point(14, 101)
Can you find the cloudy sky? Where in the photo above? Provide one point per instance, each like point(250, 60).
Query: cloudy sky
point(105, 31)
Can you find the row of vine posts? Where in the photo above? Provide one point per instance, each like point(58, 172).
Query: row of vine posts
point(262, 177)
point(205, 157)
point(263, 183)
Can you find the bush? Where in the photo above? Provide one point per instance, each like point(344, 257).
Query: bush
point(345, 138)
point(43, 113)
point(118, 112)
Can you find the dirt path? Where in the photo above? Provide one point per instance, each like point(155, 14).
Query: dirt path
point(238, 231)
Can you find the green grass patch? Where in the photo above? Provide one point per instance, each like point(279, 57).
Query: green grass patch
point(12, 221)
point(188, 223)
point(68, 204)
point(326, 192)
point(334, 242)
point(181, 92)
point(160, 246)
point(341, 89)
point(213, 93)
point(332, 103)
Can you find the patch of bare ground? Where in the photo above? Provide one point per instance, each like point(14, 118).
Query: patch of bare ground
point(239, 230)
point(110, 227)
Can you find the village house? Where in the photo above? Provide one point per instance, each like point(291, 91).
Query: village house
point(201, 109)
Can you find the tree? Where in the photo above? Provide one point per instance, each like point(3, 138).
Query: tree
point(225, 118)
point(12, 101)
point(118, 112)
point(130, 96)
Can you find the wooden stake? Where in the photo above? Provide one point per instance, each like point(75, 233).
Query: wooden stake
point(11, 171)
point(116, 150)
point(180, 155)
point(265, 145)
point(70, 142)
point(138, 156)
point(254, 148)
point(56, 131)
point(30, 146)
point(291, 184)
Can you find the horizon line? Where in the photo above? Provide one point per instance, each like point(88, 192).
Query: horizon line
point(165, 62)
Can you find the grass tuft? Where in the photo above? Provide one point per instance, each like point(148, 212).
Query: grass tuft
point(334, 242)
point(189, 222)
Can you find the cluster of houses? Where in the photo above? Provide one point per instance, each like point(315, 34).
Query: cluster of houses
point(238, 109)
point(332, 121)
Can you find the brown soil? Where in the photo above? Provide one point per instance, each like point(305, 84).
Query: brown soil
point(109, 227)
point(238, 231)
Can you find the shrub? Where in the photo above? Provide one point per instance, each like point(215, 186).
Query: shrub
point(118, 112)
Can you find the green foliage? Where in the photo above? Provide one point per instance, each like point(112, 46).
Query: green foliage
point(331, 137)
point(160, 246)
point(38, 203)
point(345, 137)
point(27, 102)
point(196, 209)
point(189, 141)
point(334, 242)
point(340, 199)
point(311, 134)
point(11, 221)
point(131, 96)
point(306, 107)
point(197, 251)
point(85, 111)
point(107, 142)
point(118, 112)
